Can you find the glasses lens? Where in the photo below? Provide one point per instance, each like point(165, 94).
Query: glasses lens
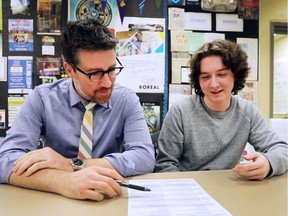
point(113, 73)
point(97, 76)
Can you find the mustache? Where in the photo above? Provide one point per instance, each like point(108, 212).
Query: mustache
point(104, 88)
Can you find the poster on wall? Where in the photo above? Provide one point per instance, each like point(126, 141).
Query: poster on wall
point(21, 7)
point(250, 92)
point(49, 17)
point(152, 116)
point(48, 66)
point(48, 45)
point(250, 46)
point(141, 50)
point(84, 9)
point(14, 104)
point(20, 74)
point(20, 34)
point(3, 68)
point(2, 119)
point(1, 45)
point(1, 19)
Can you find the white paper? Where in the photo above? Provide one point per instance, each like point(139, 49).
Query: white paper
point(185, 74)
point(179, 41)
point(250, 46)
point(172, 197)
point(198, 21)
point(179, 59)
point(229, 23)
point(176, 18)
point(3, 68)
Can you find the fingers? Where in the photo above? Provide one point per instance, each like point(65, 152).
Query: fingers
point(29, 164)
point(106, 181)
point(95, 183)
point(40, 159)
point(94, 195)
point(252, 156)
point(256, 170)
point(247, 172)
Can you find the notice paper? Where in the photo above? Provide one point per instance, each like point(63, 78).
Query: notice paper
point(172, 197)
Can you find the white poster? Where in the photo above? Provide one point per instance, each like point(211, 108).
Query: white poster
point(3, 68)
point(141, 50)
point(250, 46)
point(229, 23)
point(198, 21)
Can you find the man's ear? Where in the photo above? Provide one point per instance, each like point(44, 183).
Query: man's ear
point(68, 69)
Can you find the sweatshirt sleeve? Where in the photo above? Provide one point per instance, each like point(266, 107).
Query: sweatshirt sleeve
point(265, 140)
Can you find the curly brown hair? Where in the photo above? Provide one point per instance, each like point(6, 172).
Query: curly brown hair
point(233, 57)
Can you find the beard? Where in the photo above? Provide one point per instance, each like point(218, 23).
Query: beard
point(100, 96)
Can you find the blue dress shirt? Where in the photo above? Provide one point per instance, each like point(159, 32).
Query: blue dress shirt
point(54, 113)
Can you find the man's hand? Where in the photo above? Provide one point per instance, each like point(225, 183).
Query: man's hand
point(95, 183)
point(258, 169)
point(40, 159)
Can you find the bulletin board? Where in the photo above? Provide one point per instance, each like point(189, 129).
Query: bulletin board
point(190, 26)
point(31, 55)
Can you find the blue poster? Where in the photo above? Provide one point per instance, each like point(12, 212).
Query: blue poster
point(20, 74)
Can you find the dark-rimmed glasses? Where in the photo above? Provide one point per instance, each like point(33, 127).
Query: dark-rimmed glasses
point(97, 75)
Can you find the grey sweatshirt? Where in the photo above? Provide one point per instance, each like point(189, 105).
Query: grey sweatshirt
point(193, 137)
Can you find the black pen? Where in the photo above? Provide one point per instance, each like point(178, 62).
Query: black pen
point(135, 187)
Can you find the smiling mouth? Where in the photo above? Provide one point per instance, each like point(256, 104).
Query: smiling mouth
point(216, 92)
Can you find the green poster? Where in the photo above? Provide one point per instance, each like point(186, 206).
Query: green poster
point(1, 25)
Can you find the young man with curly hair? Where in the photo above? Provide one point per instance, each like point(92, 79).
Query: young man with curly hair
point(210, 129)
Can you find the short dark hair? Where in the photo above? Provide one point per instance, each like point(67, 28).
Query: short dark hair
point(233, 57)
point(88, 34)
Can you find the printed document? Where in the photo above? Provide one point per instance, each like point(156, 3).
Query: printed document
point(172, 197)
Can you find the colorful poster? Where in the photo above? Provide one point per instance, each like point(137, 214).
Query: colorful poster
point(2, 119)
point(20, 34)
point(1, 45)
point(152, 116)
point(78, 10)
point(49, 17)
point(1, 19)
point(48, 66)
point(21, 7)
point(141, 50)
point(14, 104)
point(20, 74)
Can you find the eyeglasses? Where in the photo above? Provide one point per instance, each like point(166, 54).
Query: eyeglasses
point(96, 76)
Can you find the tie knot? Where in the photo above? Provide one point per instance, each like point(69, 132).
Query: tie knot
point(89, 106)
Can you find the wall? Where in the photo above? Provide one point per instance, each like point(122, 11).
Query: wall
point(270, 11)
